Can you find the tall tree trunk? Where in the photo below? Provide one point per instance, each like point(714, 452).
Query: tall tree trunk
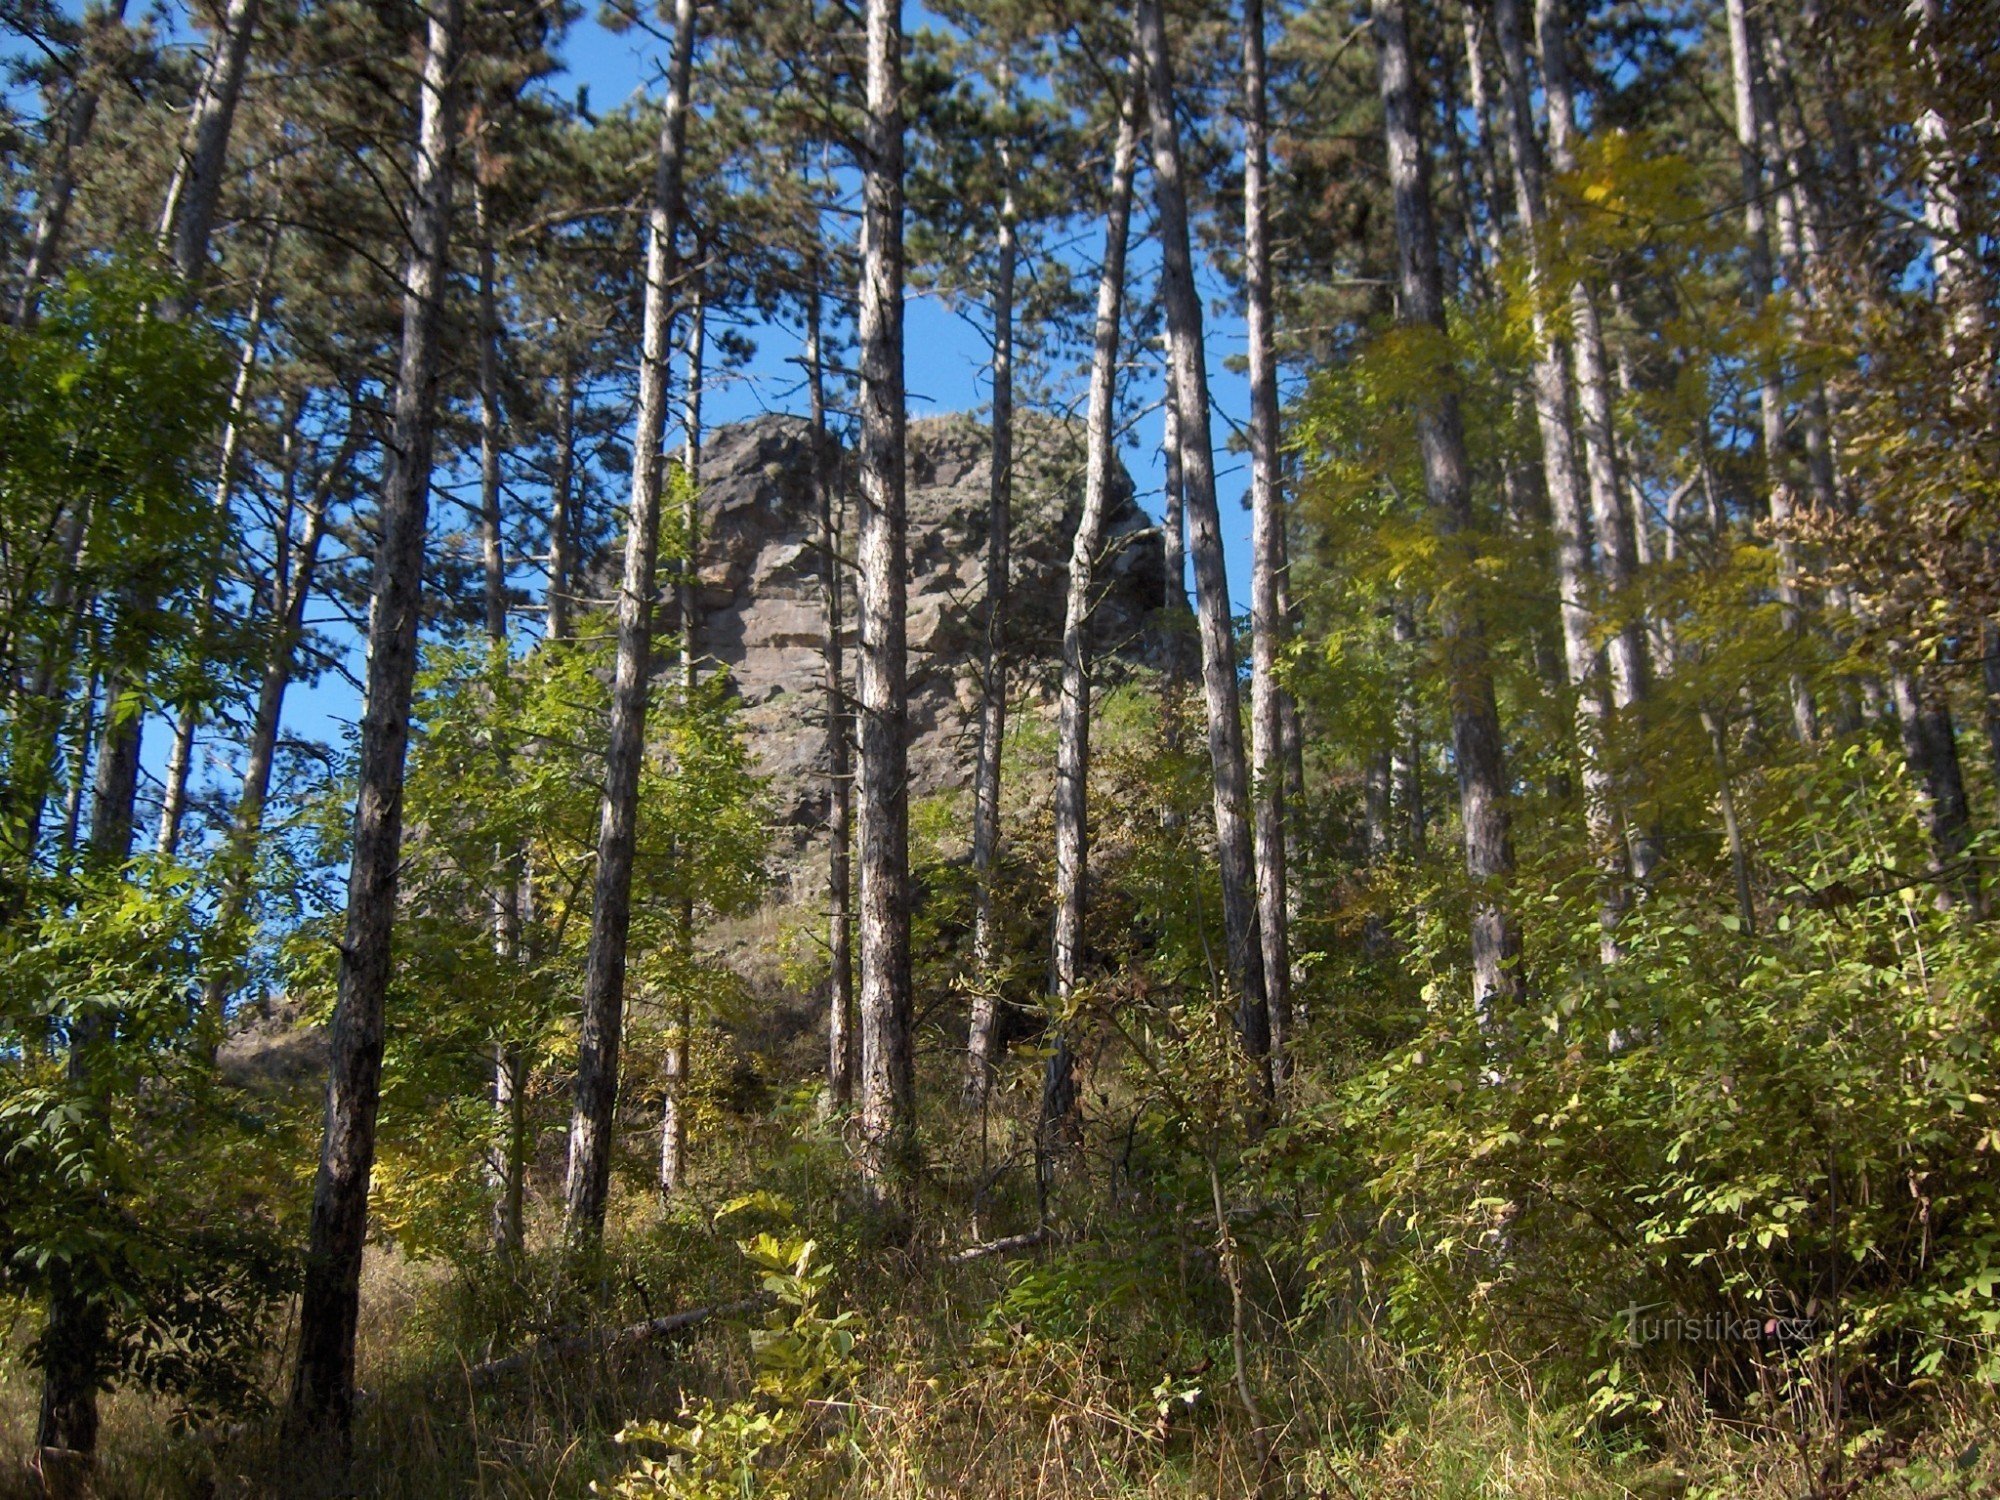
point(1174, 616)
point(562, 501)
point(492, 536)
point(983, 1037)
point(330, 1301)
point(39, 722)
point(1218, 645)
point(184, 233)
point(1556, 418)
point(75, 1352)
point(1610, 509)
point(1477, 746)
point(1471, 26)
point(291, 590)
point(1268, 621)
point(603, 1021)
point(1746, 87)
point(1406, 755)
point(189, 214)
point(1073, 705)
point(887, 1078)
point(180, 757)
point(1732, 826)
point(58, 192)
point(506, 1167)
point(1930, 745)
point(841, 1048)
point(1173, 524)
point(673, 1099)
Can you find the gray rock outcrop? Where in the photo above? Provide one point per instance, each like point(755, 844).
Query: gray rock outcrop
point(763, 618)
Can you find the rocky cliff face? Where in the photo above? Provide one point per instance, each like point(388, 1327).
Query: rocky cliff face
point(763, 618)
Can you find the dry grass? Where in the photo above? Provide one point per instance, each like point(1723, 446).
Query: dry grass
point(949, 1410)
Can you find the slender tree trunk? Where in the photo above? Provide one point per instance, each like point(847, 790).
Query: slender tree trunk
point(505, 1169)
point(887, 1078)
point(329, 1304)
point(1477, 243)
point(1482, 115)
point(673, 1100)
point(1174, 615)
point(603, 1022)
point(1268, 621)
point(1375, 785)
point(1218, 645)
point(75, 1352)
point(1611, 512)
point(1406, 755)
point(184, 233)
point(1556, 418)
point(288, 609)
point(54, 197)
point(840, 1034)
point(1732, 827)
point(1930, 745)
point(1173, 525)
point(1954, 250)
point(188, 217)
point(562, 500)
point(38, 724)
point(1770, 389)
point(1475, 719)
point(79, 767)
point(1073, 706)
point(492, 538)
point(180, 757)
point(982, 1050)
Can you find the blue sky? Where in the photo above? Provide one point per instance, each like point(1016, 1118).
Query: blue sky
point(946, 358)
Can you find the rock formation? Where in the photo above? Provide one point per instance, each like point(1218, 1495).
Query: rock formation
point(762, 616)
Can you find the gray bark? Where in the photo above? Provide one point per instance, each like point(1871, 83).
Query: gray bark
point(189, 215)
point(983, 1034)
point(330, 1301)
point(1556, 419)
point(1268, 623)
point(184, 232)
point(180, 756)
point(562, 499)
point(1746, 87)
point(673, 1114)
point(1475, 718)
point(506, 1167)
point(1406, 755)
point(1610, 509)
point(588, 1180)
point(291, 588)
point(1173, 524)
point(492, 539)
point(1073, 705)
point(887, 1080)
point(54, 197)
point(1218, 647)
point(841, 1040)
point(1930, 745)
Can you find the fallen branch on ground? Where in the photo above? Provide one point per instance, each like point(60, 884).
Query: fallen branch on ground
point(598, 1340)
point(997, 1247)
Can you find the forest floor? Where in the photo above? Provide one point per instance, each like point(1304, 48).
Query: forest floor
point(960, 1397)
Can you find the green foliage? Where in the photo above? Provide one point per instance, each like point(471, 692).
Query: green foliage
point(503, 794)
point(788, 1433)
point(107, 414)
point(125, 1168)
